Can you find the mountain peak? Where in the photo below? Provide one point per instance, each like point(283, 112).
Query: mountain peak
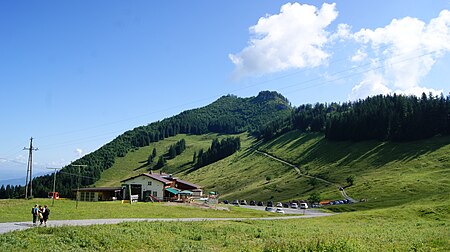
point(272, 97)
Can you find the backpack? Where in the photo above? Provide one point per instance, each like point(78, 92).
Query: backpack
point(32, 210)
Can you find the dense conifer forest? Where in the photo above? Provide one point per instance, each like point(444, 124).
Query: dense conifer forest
point(384, 118)
point(218, 150)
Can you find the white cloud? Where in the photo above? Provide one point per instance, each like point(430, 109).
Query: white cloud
point(373, 84)
point(79, 152)
point(359, 56)
point(343, 32)
point(408, 48)
point(294, 38)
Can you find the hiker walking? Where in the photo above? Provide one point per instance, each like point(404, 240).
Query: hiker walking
point(34, 212)
point(41, 216)
point(45, 214)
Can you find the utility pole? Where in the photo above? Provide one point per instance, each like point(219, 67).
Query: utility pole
point(78, 181)
point(54, 184)
point(30, 169)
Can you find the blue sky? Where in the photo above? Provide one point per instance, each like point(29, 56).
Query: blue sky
point(75, 74)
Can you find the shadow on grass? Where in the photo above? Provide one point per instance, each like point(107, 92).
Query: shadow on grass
point(376, 153)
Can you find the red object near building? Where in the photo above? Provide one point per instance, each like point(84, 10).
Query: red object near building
point(54, 195)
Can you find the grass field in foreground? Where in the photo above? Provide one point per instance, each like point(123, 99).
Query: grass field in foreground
point(20, 210)
point(416, 228)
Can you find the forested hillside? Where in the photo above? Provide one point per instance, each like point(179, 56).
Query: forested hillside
point(385, 118)
point(228, 115)
point(266, 116)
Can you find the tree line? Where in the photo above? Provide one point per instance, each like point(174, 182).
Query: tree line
point(382, 117)
point(173, 151)
point(12, 192)
point(217, 151)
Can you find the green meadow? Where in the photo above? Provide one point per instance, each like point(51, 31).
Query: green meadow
point(415, 228)
point(404, 186)
point(20, 210)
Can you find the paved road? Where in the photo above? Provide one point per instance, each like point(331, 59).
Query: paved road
point(12, 226)
point(307, 212)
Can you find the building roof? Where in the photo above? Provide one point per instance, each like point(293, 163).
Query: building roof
point(173, 190)
point(188, 184)
point(158, 177)
point(99, 189)
point(186, 192)
point(166, 179)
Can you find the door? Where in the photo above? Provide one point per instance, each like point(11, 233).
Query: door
point(137, 190)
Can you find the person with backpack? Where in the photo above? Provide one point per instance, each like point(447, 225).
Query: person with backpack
point(45, 214)
point(41, 216)
point(34, 212)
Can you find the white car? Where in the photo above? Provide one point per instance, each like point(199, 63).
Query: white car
point(303, 206)
point(294, 205)
point(279, 204)
point(279, 210)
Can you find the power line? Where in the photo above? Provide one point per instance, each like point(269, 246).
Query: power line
point(196, 101)
point(30, 169)
point(54, 184)
point(259, 83)
point(78, 180)
point(358, 73)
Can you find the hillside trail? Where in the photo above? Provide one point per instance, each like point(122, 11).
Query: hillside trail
point(338, 186)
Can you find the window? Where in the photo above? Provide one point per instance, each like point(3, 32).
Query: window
point(155, 194)
point(149, 183)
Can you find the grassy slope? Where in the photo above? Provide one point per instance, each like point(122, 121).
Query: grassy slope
point(134, 162)
point(386, 173)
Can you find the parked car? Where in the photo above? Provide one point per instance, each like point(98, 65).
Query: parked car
point(294, 205)
point(270, 204)
point(270, 209)
point(243, 202)
point(252, 203)
point(279, 204)
point(286, 204)
point(303, 206)
point(235, 202)
point(279, 210)
point(260, 203)
point(225, 201)
point(315, 205)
